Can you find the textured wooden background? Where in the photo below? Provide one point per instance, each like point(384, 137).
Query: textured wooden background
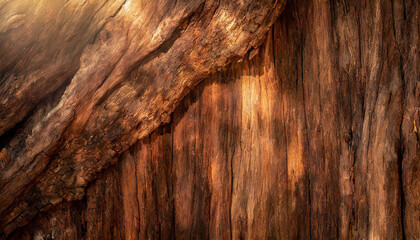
point(311, 138)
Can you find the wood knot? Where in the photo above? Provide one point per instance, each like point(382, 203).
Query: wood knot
point(348, 137)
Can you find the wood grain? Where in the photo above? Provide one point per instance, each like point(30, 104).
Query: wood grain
point(84, 80)
point(309, 137)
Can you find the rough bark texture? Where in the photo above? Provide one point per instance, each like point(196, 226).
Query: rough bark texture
point(81, 81)
point(316, 136)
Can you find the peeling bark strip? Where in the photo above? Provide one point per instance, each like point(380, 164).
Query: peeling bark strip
point(313, 138)
point(81, 81)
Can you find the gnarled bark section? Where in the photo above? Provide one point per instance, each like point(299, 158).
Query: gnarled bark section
point(313, 138)
point(127, 64)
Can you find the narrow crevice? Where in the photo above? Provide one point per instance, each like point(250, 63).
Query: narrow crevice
point(155, 185)
point(231, 193)
point(308, 164)
point(172, 179)
point(359, 72)
point(401, 147)
point(232, 143)
point(134, 159)
point(194, 186)
point(401, 150)
point(393, 20)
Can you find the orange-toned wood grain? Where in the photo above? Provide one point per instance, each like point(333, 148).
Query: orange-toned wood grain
point(312, 138)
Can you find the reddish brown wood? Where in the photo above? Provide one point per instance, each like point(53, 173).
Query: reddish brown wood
point(82, 81)
point(310, 137)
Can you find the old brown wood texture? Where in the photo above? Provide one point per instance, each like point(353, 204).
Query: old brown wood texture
point(314, 135)
point(82, 81)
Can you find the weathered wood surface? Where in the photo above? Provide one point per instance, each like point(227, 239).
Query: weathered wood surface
point(312, 138)
point(81, 81)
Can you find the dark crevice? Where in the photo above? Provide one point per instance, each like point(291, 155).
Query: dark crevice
point(231, 192)
point(154, 172)
point(232, 144)
point(134, 159)
point(401, 147)
point(19, 129)
point(6, 137)
point(393, 19)
point(401, 150)
point(171, 177)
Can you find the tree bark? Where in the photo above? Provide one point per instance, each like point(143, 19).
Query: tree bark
point(314, 135)
point(84, 80)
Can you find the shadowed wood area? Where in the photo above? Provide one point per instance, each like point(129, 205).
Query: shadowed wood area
point(313, 135)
